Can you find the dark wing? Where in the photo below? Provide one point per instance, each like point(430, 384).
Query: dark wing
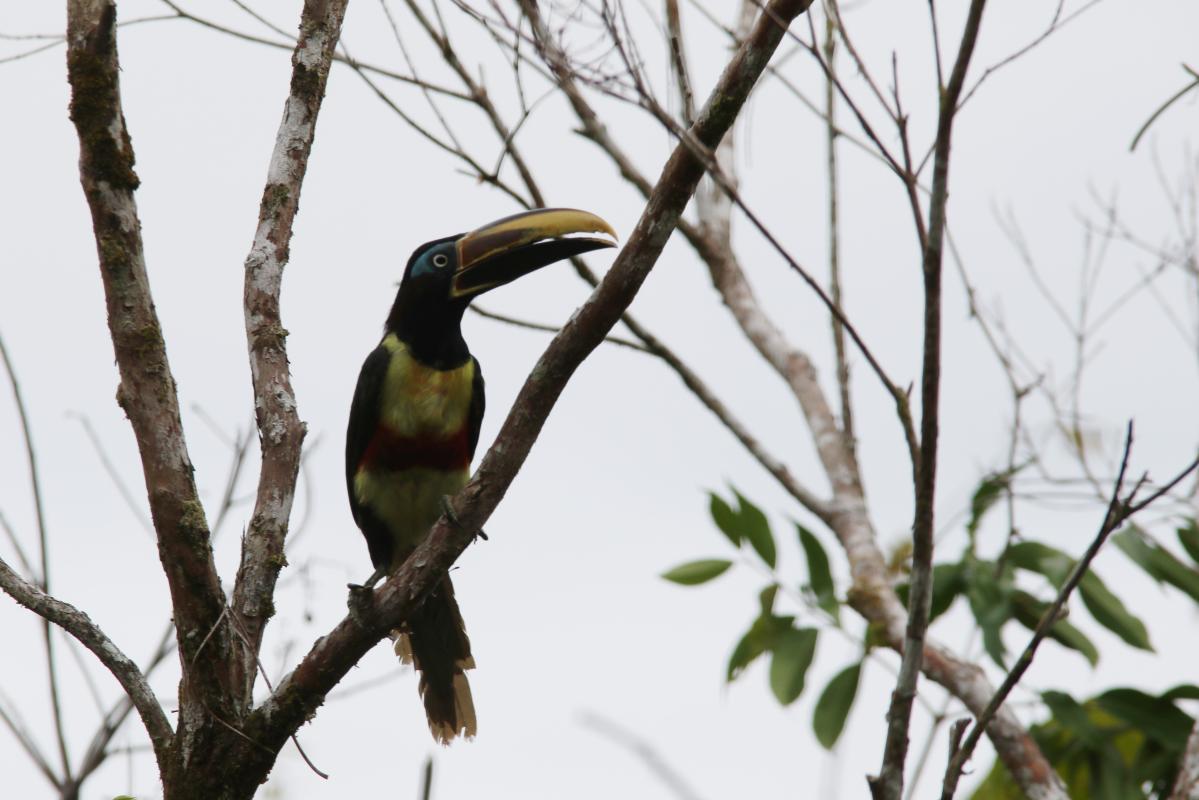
point(364, 417)
point(477, 401)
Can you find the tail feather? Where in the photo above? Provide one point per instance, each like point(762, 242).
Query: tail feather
point(434, 641)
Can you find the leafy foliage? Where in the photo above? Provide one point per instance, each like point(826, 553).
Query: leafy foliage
point(1188, 536)
point(834, 704)
point(792, 647)
point(694, 573)
point(820, 576)
point(990, 490)
point(1123, 744)
point(793, 653)
point(1162, 565)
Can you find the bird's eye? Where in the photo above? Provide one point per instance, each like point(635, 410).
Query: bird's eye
point(440, 260)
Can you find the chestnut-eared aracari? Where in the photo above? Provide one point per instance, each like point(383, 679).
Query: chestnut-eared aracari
point(415, 420)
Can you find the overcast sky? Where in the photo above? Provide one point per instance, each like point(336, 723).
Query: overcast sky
point(564, 606)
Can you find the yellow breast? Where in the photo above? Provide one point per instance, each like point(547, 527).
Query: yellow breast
point(422, 401)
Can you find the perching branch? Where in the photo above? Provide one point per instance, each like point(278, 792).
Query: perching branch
point(302, 691)
point(281, 433)
point(557, 62)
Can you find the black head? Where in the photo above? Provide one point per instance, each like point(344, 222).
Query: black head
point(443, 276)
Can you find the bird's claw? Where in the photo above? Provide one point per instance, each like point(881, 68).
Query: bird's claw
point(447, 508)
point(359, 602)
point(359, 599)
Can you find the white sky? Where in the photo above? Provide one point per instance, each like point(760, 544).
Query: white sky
point(564, 605)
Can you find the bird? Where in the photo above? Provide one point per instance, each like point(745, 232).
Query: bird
point(415, 420)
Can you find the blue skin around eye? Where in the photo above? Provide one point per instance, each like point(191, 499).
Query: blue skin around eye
point(424, 264)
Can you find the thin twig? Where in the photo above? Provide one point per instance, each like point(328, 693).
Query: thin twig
point(1119, 510)
point(114, 475)
point(426, 789)
point(35, 488)
point(26, 564)
point(671, 778)
point(537, 326)
point(180, 13)
point(10, 716)
point(888, 785)
point(834, 238)
point(1194, 84)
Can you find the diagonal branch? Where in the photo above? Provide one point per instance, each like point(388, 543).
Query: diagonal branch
point(872, 594)
point(593, 131)
point(281, 433)
point(303, 690)
point(79, 625)
point(147, 389)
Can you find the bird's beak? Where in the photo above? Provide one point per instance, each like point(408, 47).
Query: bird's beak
point(508, 248)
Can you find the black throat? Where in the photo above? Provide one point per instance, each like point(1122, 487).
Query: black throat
point(432, 330)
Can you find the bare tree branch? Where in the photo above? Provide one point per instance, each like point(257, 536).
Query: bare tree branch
point(147, 390)
point(79, 625)
point(889, 783)
point(281, 433)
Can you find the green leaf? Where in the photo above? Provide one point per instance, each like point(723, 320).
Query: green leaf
point(1158, 562)
point(1068, 713)
point(1157, 718)
point(1133, 544)
point(1028, 611)
point(1109, 612)
point(989, 490)
point(820, 576)
point(753, 525)
point(832, 708)
point(1113, 781)
point(1104, 606)
point(694, 573)
point(760, 638)
point(724, 518)
point(947, 585)
point(766, 599)
point(1188, 535)
point(1183, 691)
point(793, 654)
point(990, 602)
point(1042, 559)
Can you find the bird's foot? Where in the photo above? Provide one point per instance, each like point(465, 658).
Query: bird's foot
point(359, 600)
point(447, 508)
